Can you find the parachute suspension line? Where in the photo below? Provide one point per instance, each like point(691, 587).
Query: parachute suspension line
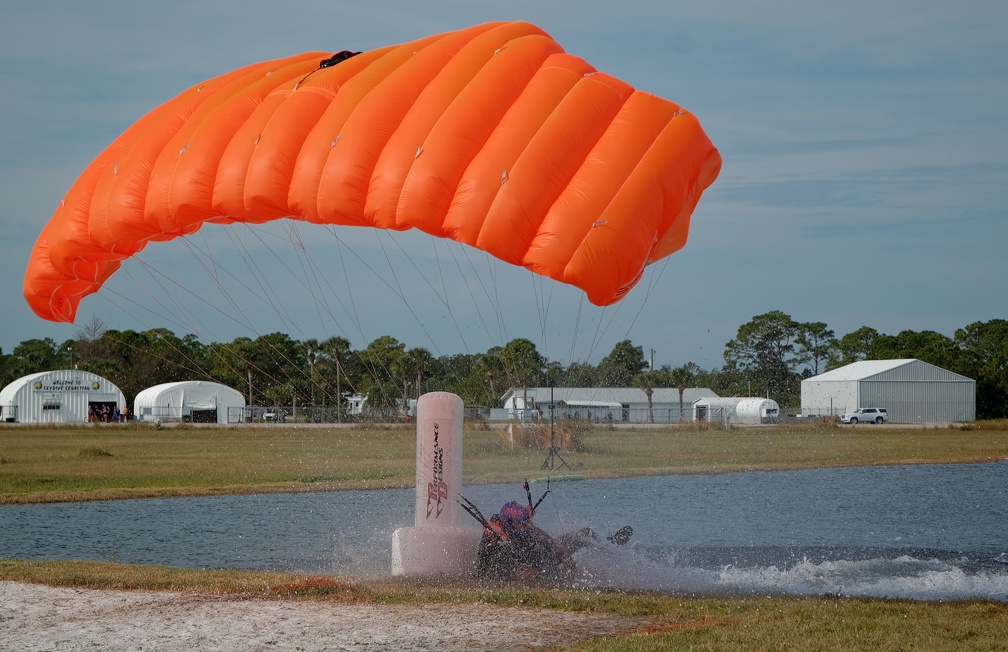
point(444, 287)
point(542, 306)
point(268, 295)
point(441, 293)
point(396, 288)
point(601, 330)
point(180, 309)
point(239, 240)
point(127, 299)
point(293, 238)
point(214, 270)
point(402, 294)
point(309, 270)
point(314, 279)
point(577, 321)
point(304, 275)
point(465, 279)
point(267, 292)
point(170, 314)
point(651, 285)
point(191, 365)
point(492, 271)
point(352, 311)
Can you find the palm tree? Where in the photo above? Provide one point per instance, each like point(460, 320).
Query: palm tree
point(682, 377)
point(648, 381)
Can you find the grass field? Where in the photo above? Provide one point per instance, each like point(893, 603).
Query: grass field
point(87, 463)
point(47, 464)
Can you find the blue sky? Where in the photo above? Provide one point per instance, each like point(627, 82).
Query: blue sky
point(865, 149)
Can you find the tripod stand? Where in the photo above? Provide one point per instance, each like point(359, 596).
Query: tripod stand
point(554, 452)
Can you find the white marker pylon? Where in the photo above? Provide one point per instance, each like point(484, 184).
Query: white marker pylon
point(438, 543)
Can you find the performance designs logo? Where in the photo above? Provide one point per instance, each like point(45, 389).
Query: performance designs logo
point(437, 489)
point(38, 384)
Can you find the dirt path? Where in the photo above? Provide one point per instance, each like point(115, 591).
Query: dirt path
point(35, 618)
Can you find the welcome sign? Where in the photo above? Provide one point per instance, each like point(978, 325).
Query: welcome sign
point(75, 385)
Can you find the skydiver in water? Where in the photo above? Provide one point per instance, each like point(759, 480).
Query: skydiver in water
point(513, 548)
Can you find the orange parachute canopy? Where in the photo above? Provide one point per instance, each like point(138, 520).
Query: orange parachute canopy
point(492, 136)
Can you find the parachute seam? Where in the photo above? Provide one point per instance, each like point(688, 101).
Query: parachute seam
point(463, 167)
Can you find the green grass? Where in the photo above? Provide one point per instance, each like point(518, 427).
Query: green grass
point(88, 463)
point(76, 463)
point(655, 622)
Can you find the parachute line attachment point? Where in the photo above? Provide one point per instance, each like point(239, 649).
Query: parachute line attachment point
point(599, 223)
point(334, 141)
point(184, 148)
point(503, 177)
point(418, 150)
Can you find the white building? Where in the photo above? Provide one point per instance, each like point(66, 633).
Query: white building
point(198, 401)
point(357, 405)
point(911, 390)
point(61, 396)
point(602, 404)
point(736, 409)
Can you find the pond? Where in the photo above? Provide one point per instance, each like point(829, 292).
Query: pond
point(930, 532)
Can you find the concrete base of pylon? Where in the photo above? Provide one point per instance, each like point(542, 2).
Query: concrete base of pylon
point(434, 551)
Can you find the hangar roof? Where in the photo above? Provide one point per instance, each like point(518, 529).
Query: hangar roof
point(908, 369)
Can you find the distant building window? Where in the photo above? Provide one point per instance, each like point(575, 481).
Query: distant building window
point(50, 406)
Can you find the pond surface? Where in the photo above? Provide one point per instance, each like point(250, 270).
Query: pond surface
point(927, 532)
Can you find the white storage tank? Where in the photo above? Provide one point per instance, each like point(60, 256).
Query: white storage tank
point(736, 409)
point(757, 410)
point(61, 396)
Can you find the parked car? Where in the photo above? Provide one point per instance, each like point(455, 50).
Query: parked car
point(869, 415)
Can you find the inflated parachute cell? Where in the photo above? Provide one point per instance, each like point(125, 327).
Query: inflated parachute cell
point(492, 136)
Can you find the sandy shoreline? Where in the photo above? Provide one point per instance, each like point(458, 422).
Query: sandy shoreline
point(35, 617)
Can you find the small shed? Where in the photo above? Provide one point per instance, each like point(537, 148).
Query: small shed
point(736, 409)
point(196, 401)
point(61, 396)
point(912, 391)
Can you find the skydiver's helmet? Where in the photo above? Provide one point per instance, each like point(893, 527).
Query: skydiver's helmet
point(511, 515)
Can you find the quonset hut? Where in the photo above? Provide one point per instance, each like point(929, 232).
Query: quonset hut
point(62, 396)
point(196, 401)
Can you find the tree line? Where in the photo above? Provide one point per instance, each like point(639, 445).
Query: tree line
point(770, 356)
